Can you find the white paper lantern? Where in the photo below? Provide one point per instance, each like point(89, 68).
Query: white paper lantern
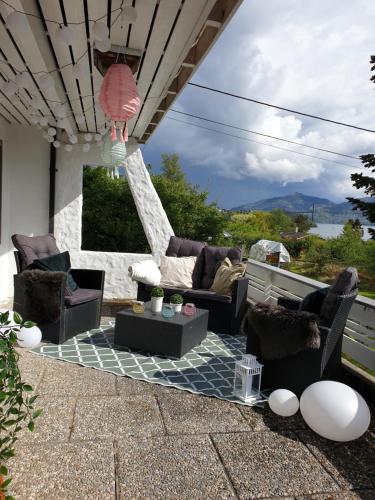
point(43, 121)
point(283, 402)
point(100, 31)
point(73, 139)
point(10, 88)
point(46, 82)
point(17, 22)
point(51, 131)
point(57, 144)
point(86, 148)
point(103, 45)
point(80, 119)
point(29, 337)
point(22, 80)
point(335, 411)
point(88, 137)
point(97, 137)
point(129, 14)
point(50, 139)
point(78, 71)
point(68, 147)
point(60, 110)
point(34, 119)
point(65, 35)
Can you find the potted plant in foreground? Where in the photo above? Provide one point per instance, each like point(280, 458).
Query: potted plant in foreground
point(177, 301)
point(157, 295)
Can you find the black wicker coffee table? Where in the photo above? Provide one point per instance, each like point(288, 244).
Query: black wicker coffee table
point(152, 333)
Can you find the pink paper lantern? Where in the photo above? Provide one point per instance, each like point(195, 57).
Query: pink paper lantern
point(119, 97)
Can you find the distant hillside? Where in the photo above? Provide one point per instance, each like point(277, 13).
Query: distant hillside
point(326, 211)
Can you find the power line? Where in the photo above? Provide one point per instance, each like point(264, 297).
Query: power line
point(279, 107)
point(264, 135)
point(262, 143)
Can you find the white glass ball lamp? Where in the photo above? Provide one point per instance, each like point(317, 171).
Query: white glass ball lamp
point(46, 82)
point(283, 402)
point(85, 148)
point(10, 88)
point(51, 131)
point(17, 22)
point(56, 144)
point(103, 45)
point(335, 411)
point(68, 147)
point(65, 35)
point(29, 337)
point(129, 14)
point(100, 31)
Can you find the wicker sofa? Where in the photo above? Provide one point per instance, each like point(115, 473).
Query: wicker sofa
point(225, 311)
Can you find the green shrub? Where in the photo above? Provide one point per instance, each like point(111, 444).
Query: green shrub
point(157, 292)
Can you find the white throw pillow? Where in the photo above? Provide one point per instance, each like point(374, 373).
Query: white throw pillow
point(177, 271)
point(146, 272)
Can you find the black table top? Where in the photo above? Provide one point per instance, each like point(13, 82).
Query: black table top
point(177, 319)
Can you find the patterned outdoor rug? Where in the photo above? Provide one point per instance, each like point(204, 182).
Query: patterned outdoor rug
point(207, 369)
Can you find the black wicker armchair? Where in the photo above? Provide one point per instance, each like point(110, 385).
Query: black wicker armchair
point(332, 305)
point(44, 297)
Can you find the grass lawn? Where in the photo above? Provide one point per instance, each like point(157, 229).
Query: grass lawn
point(366, 285)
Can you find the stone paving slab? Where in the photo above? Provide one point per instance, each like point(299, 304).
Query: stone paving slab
point(171, 467)
point(116, 417)
point(185, 413)
point(63, 471)
point(271, 464)
point(67, 379)
point(341, 495)
point(32, 367)
point(352, 464)
point(54, 423)
point(260, 419)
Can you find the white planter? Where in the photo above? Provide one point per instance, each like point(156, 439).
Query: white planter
point(177, 308)
point(156, 304)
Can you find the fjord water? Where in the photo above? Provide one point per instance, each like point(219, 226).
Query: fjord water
point(334, 230)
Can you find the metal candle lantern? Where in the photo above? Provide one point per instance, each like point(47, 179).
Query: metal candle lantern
point(247, 377)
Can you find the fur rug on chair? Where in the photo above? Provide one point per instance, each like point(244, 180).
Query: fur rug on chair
point(281, 332)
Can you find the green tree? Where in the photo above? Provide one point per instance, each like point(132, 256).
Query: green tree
point(366, 182)
point(280, 221)
point(303, 222)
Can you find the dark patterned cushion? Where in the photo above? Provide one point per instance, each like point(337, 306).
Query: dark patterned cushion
point(213, 257)
point(346, 282)
point(180, 247)
point(58, 262)
point(34, 247)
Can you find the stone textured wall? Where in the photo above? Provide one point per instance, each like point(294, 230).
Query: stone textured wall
point(68, 218)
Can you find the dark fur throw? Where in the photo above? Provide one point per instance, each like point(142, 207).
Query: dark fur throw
point(282, 332)
point(42, 295)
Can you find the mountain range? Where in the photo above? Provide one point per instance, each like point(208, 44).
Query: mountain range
point(325, 211)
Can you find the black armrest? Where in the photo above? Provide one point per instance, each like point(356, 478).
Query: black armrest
point(288, 303)
point(39, 295)
point(89, 278)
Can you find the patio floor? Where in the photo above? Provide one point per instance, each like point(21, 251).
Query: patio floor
point(104, 437)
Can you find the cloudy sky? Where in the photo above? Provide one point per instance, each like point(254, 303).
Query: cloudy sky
point(309, 56)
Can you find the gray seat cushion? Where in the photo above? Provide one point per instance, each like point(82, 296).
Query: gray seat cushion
point(206, 295)
point(346, 283)
point(82, 295)
point(213, 257)
point(34, 247)
point(180, 247)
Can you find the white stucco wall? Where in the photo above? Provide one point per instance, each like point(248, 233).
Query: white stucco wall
point(25, 193)
point(68, 218)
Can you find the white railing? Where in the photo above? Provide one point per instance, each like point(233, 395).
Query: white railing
point(267, 283)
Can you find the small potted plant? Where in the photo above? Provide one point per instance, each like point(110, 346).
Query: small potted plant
point(177, 301)
point(157, 295)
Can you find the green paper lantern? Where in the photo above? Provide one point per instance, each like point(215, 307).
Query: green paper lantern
point(113, 150)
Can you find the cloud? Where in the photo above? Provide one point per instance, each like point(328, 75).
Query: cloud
point(310, 56)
